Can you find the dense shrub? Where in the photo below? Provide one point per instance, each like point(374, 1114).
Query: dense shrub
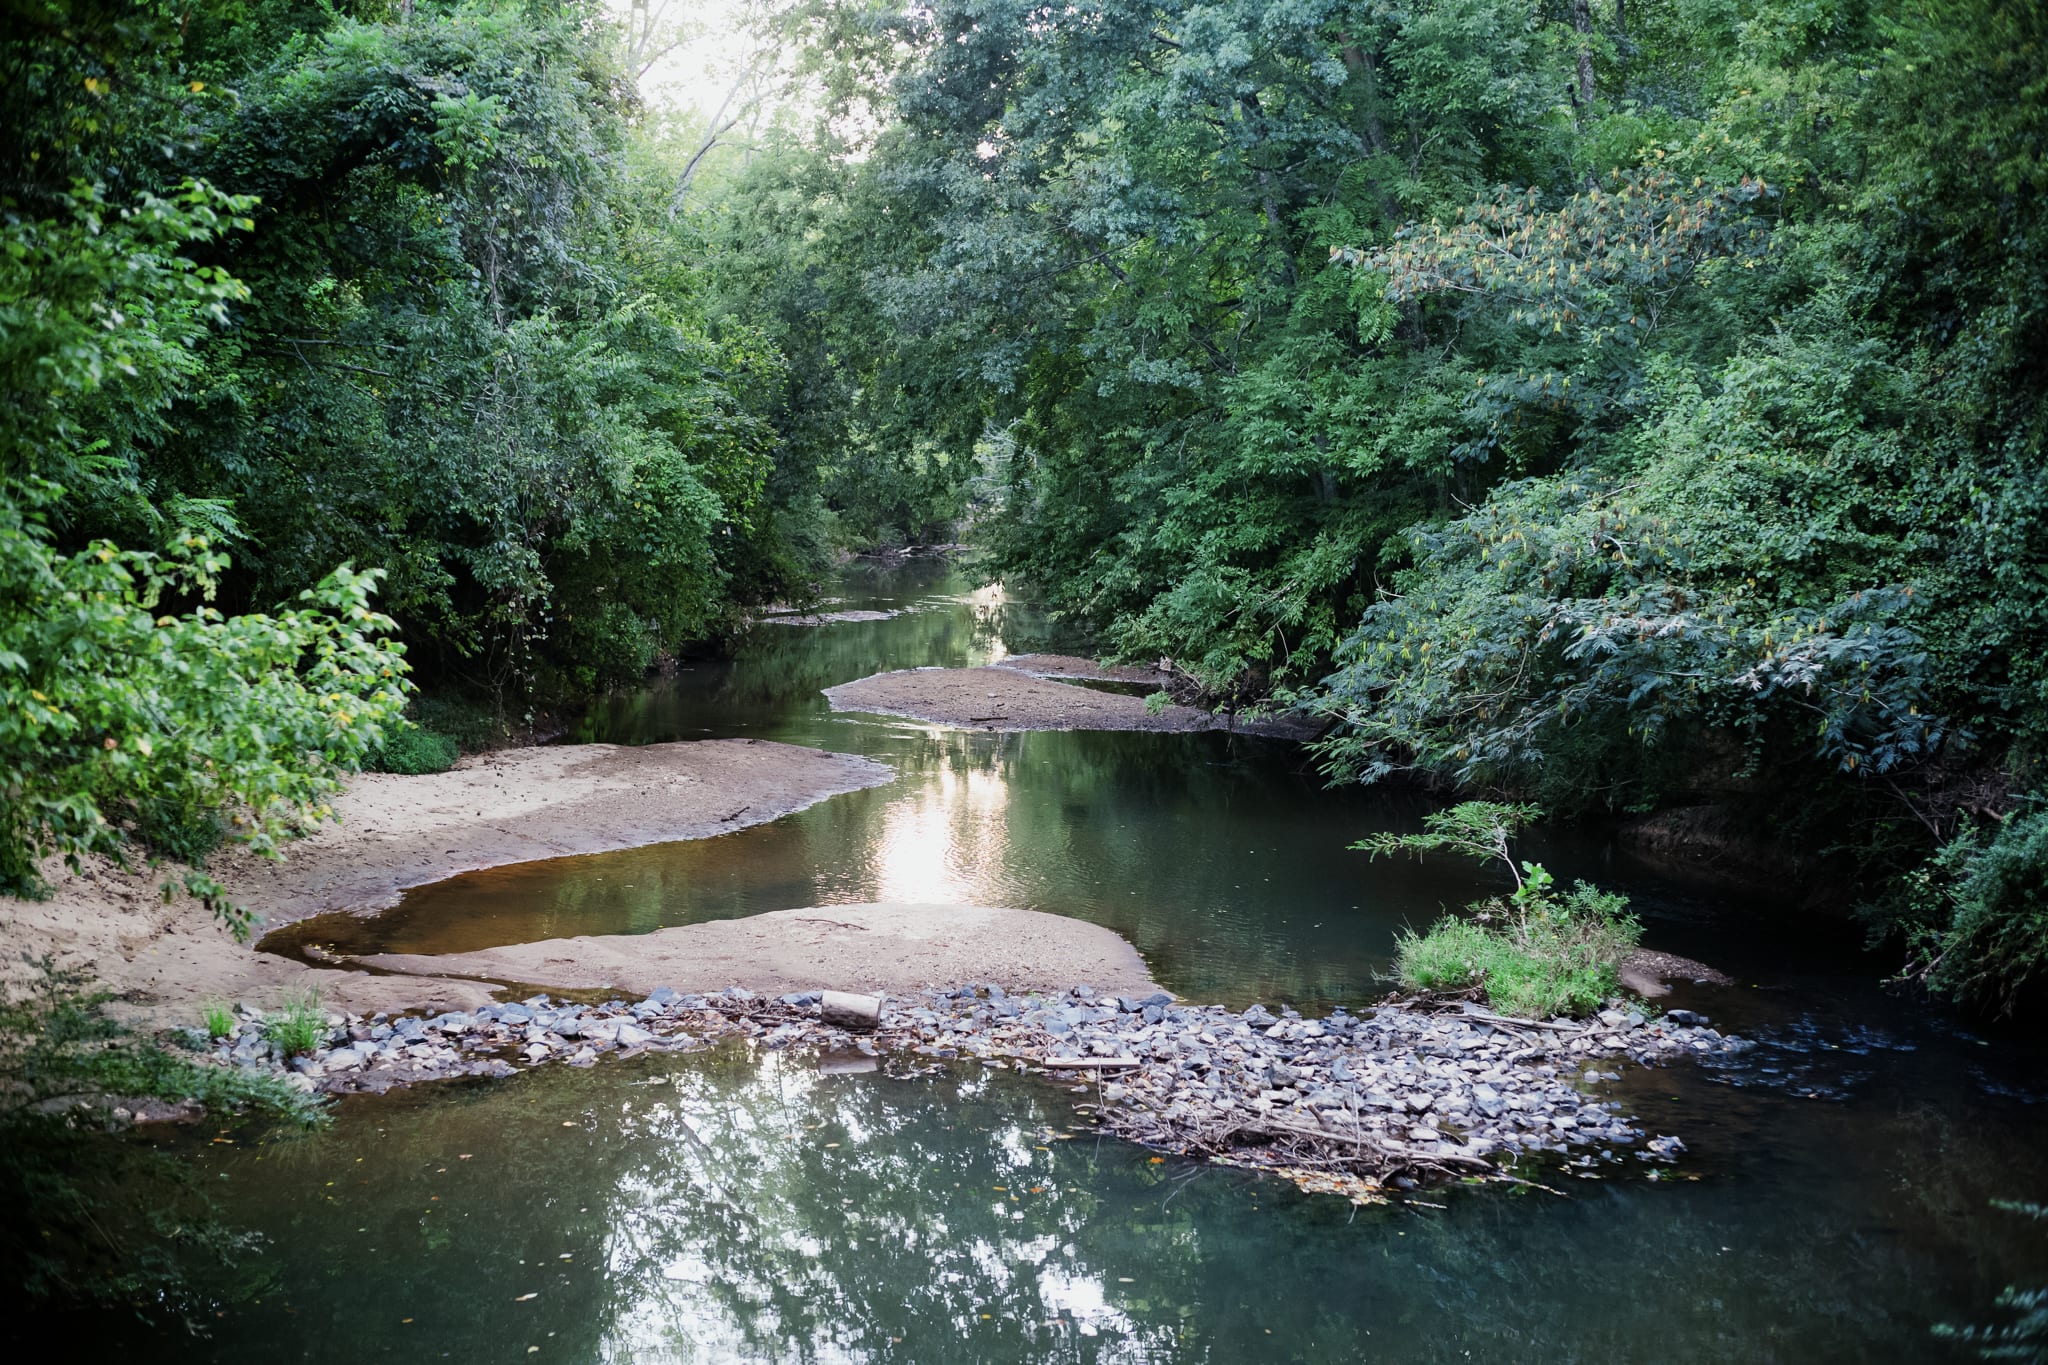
point(415, 749)
point(1976, 916)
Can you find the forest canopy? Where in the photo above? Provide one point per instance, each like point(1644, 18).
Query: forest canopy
point(300, 304)
point(1618, 404)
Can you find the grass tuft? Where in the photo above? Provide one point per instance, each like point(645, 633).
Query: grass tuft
point(298, 1025)
point(218, 1017)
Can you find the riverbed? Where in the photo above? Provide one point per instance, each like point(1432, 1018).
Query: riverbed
point(1833, 1201)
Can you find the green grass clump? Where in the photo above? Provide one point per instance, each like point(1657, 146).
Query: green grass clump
point(218, 1018)
point(298, 1025)
point(1569, 965)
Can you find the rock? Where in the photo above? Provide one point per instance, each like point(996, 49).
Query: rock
point(629, 1036)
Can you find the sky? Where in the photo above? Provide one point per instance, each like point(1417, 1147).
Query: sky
point(696, 75)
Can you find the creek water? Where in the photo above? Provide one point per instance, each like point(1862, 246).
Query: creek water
point(1835, 1202)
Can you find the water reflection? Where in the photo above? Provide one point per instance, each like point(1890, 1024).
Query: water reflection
point(1224, 864)
point(733, 1208)
point(1218, 856)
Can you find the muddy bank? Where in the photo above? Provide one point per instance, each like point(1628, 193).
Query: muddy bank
point(1721, 846)
point(1077, 669)
point(395, 833)
point(1002, 698)
point(1649, 973)
point(889, 948)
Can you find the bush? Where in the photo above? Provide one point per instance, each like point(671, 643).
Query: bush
point(1567, 963)
point(218, 1019)
point(412, 749)
point(1976, 915)
point(1534, 953)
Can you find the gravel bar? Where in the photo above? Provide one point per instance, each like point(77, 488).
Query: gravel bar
point(1393, 1097)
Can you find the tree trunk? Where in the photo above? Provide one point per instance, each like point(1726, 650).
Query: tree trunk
point(1360, 63)
point(1582, 20)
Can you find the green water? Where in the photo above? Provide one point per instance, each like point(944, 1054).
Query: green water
point(1833, 1205)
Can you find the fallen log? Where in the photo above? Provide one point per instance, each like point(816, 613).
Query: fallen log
point(855, 1013)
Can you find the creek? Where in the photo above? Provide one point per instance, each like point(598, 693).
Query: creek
point(1834, 1203)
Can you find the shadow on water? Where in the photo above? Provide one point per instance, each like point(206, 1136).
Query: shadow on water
point(1832, 1206)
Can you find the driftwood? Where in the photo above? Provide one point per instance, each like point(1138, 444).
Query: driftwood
point(1352, 1150)
point(855, 1013)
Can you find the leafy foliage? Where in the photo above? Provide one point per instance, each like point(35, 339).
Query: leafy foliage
point(1614, 417)
point(287, 292)
point(127, 704)
point(1481, 830)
